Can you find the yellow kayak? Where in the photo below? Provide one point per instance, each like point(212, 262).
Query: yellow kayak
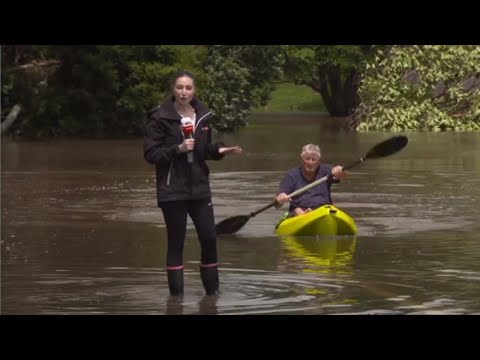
point(326, 220)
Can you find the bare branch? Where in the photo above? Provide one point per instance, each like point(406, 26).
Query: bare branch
point(36, 63)
point(11, 117)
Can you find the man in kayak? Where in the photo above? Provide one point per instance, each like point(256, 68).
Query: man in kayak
point(310, 170)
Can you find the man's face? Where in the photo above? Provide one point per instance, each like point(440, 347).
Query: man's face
point(310, 162)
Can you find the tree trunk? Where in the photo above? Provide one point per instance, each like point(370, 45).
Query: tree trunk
point(339, 99)
point(350, 92)
point(11, 117)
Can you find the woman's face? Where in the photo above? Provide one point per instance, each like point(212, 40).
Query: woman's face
point(184, 90)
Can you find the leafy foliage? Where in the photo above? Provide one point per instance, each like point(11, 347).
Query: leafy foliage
point(106, 90)
point(229, 100)
point(96, 91)
point(238, 78)
point(421, 87)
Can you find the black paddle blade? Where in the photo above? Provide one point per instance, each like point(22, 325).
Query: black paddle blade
point(231, 225)
point(387, 147)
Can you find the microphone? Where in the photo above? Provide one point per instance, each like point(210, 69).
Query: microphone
point(187, 128)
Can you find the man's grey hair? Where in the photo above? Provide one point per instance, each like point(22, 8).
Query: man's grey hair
point(311, 148)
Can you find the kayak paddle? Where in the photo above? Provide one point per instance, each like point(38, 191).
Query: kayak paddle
point(385, 148)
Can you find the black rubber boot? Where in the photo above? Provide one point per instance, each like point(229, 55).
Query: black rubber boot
point(175, 281)
point(210, 280)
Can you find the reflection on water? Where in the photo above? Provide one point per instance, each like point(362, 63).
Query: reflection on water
point(81, 233)
point(326, 254)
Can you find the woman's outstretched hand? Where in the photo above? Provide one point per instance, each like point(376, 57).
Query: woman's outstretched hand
point(230, 150)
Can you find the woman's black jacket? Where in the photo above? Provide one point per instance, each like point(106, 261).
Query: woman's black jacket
point(177, 179)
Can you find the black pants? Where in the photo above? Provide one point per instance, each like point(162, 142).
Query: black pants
point(201, 213)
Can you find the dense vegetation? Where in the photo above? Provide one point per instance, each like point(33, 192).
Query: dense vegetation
point(106, 90)
point(430, 87)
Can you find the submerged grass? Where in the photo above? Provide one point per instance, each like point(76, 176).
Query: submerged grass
point(288, 97)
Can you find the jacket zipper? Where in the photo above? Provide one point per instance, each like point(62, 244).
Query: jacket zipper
point(199, 120)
